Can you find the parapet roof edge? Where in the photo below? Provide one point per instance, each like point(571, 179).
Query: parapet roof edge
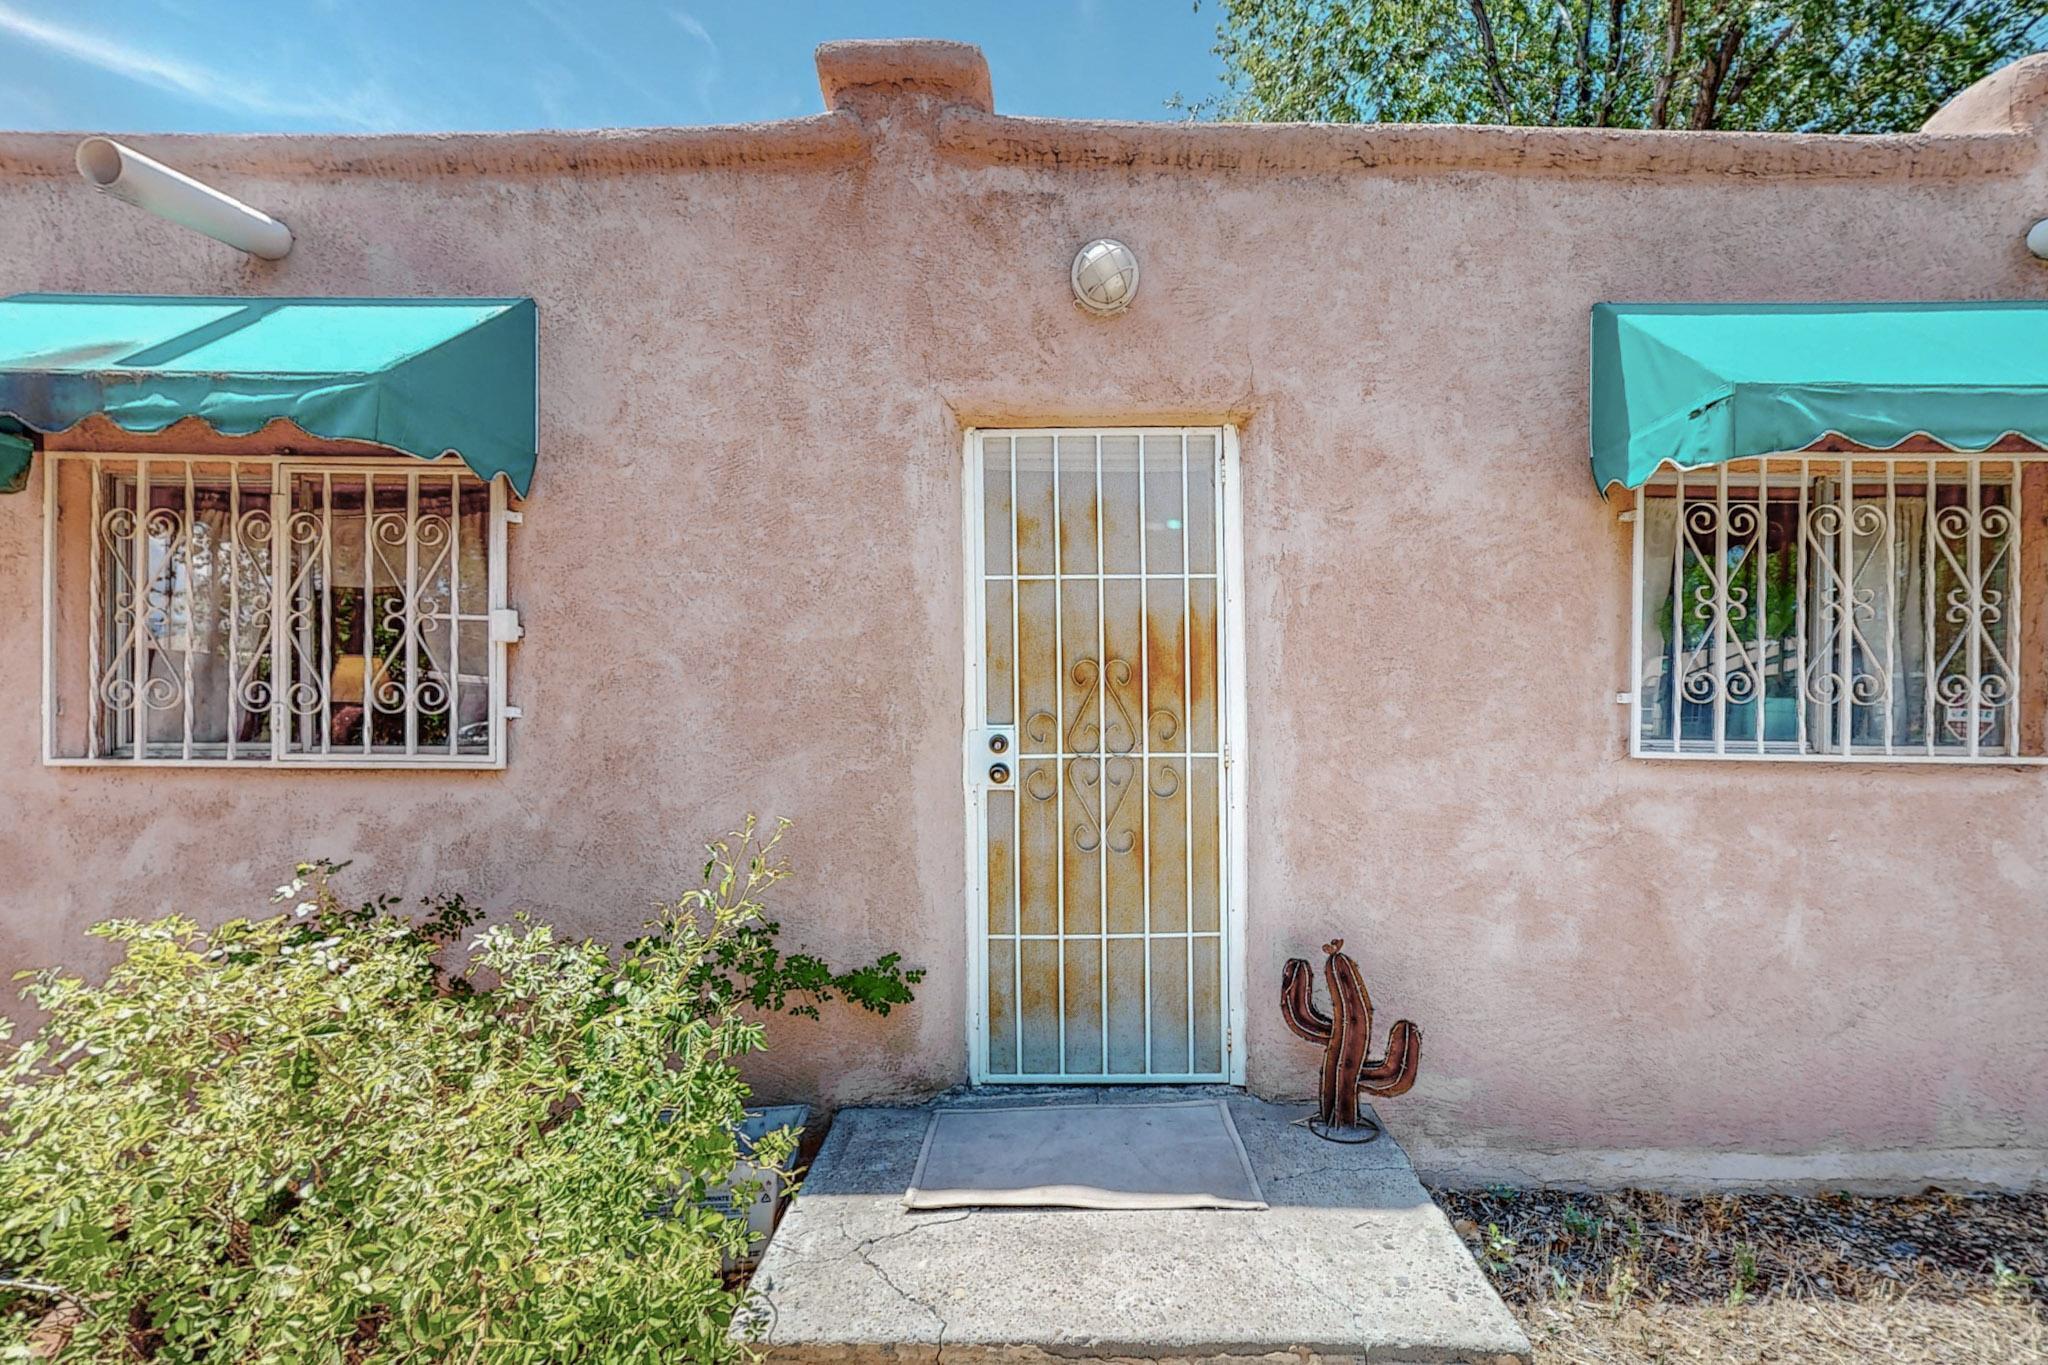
point(1996, 127)
point(1271, 148)
point(820, 138)
point(1074, 145)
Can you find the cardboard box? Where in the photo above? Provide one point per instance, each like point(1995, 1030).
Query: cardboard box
point(760, 1213)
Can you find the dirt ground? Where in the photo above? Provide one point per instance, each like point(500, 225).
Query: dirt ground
point(1601, 1279)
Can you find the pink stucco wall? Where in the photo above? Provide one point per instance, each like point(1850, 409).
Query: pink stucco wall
point(741, 577)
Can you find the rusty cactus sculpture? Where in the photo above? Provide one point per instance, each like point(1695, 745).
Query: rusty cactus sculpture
point(1346, 1041)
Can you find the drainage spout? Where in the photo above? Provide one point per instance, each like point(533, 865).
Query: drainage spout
point(135, 179)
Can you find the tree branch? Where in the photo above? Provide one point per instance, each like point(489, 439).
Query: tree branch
point(1558, 24)
point(1674, 37)
point(54, 1291)
point(1492, 56)
point(1706, 106)
point(1739, 85)
point(1616, 50)
point(1584, 102)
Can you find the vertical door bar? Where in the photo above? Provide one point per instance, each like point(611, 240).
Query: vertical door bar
point(1102, 703)
point(1063, 764)
point(1017, 766)
point(1145, 740)
point(1187, 792)
point(1225, 734)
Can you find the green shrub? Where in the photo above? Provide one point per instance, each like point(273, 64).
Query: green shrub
point(298, 1139)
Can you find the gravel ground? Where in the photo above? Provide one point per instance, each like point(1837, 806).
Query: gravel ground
point(1598, 1279)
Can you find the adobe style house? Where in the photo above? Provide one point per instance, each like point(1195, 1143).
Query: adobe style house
point(1104, 657)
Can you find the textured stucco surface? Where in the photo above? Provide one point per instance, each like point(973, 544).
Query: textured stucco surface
point(741, 568)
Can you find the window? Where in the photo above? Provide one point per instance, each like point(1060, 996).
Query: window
point(1842, 608)
point(284, 611)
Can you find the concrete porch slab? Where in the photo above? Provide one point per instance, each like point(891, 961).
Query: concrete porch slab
point(1352, 1261)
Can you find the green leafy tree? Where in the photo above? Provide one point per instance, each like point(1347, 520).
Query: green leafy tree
point(299, 1138)
point(1834, 66)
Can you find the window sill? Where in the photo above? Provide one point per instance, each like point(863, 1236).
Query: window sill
point(400, 763)
point(1860, 758)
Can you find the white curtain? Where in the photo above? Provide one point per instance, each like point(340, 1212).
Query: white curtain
point(1893, 635)
point(188, 605)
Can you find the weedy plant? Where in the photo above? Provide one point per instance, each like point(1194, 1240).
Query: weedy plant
point(1744, 1280)
point(1498, 1251)
point(1622, 1283)
point(299, 1138)
point(2007, 1284)
point(1582, 1223)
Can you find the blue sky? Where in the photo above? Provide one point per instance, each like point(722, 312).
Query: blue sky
point(386, 65)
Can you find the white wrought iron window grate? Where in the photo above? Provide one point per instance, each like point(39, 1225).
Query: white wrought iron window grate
point(1841, 608)
point(279, 611)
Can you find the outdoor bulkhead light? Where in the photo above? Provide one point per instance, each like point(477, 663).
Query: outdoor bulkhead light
point(2037, 239)
point(135, 179)
point(1105, 277)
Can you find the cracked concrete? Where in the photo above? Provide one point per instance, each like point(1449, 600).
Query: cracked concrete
point(1351, 1262)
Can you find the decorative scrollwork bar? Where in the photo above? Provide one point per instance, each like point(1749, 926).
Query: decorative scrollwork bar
point(1851, 607)
point(214, 615)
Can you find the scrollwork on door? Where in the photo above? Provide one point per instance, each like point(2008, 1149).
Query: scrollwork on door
point(1086, 774)
point(1084, 733)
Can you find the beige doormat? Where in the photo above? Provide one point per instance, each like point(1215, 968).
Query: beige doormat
point(1180, 1155)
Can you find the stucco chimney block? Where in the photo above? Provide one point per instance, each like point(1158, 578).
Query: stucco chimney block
point(952, 73)
point(2013, 98)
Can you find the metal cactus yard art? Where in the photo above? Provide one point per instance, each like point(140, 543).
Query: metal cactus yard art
point(1346, 1041)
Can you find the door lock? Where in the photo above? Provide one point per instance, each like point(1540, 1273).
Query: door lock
point(989, 764)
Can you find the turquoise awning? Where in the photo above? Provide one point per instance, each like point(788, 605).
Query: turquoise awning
point(1700, 384)
point(425, 377)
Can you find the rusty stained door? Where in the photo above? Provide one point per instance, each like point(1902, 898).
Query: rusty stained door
point(1096, 756)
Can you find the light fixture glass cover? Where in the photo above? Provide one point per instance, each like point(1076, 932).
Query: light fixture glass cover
point(1105, 276)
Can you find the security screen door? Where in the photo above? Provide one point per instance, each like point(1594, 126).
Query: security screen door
point(1096, 756)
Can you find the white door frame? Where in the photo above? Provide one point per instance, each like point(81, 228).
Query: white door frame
point(1234, 712)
